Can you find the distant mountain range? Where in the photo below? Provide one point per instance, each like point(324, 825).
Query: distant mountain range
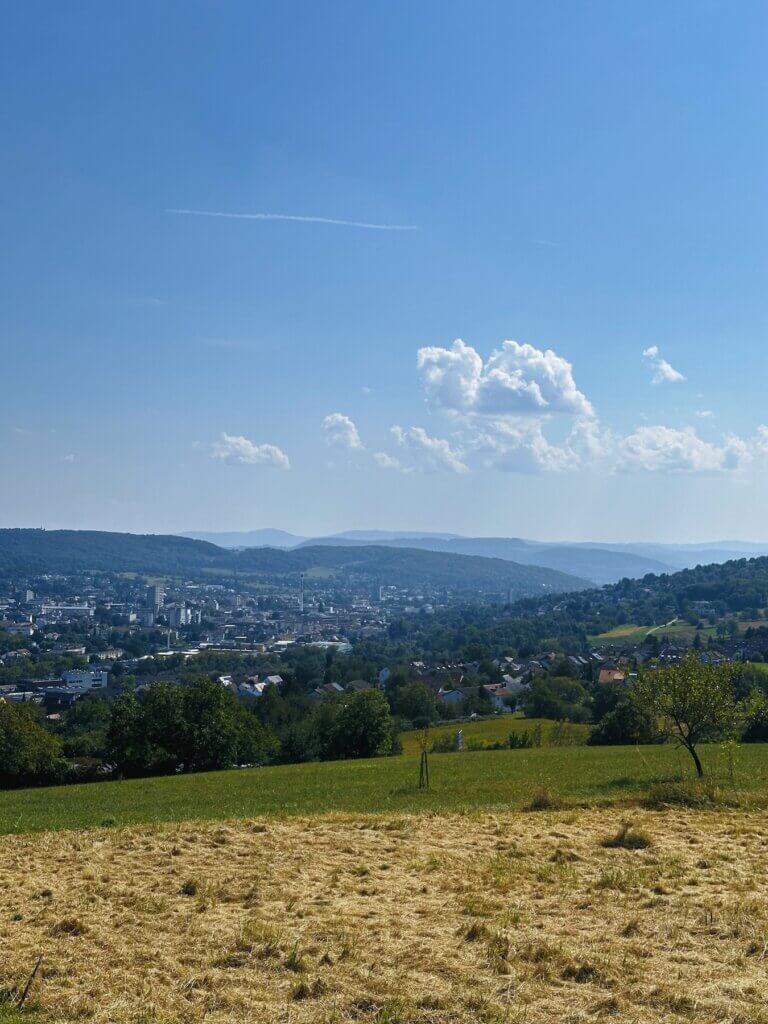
point(66, 551)
point(600, 563)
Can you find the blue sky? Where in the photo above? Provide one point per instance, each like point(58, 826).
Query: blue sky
point(584, 181)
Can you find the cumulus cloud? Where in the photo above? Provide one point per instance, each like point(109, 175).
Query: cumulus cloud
point(386, 461)
point(663, 372)
point(704, 414)
point(429, 452)
point(237, 449)
point(516, 380)
point(520, 446)
point(340, 430)
point(680, 450)
point(760, 443)
point(505, 409)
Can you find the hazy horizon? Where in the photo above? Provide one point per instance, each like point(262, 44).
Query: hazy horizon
point(706, 541)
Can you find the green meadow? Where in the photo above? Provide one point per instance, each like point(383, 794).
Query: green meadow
point(467, 781)
point(631, 633)
point(486, 731)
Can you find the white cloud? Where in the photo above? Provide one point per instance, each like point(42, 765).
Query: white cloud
point(704, 414)
point(517, 379)
point(235, 448)
point(521, 447)
point(340, 430)
point(429, 452)
point(760, 443)
point(663, 372)
point(67, 458)
point(680, 450)
point(386, 461)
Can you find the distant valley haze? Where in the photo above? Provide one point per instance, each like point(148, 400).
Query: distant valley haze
point(596, 561)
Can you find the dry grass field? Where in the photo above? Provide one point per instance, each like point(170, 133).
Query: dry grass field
point(516, 917)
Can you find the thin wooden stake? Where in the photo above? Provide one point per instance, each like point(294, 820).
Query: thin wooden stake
point(30, 981)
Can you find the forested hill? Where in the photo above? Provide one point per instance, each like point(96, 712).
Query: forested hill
point(68, 551)
point(734, 586)
point(567, 621)
point(739, 586)
point(411, 567)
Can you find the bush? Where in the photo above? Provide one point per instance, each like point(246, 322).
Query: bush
point(628, 838)
point(558, 698)
point(627, 723)
point(681, 794)
point(520, 740)
point(544, 800)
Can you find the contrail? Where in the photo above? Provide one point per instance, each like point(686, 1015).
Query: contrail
point(304, 220)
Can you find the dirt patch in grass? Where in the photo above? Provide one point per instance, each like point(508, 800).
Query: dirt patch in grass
point(455, 918)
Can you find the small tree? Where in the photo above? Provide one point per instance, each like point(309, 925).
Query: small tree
point(696, 702)
point(364, 727)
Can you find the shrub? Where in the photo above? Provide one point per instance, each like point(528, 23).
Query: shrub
point(626, 723)
point(680, 794)
point(445, 743)
point(544, 800)
point(628, 838)
point(520, 740)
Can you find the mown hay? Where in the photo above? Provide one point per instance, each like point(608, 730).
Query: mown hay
point(476, 918)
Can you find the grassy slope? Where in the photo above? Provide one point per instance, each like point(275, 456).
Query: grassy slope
point(489, 730)
point(472, 780)
point(632, 634)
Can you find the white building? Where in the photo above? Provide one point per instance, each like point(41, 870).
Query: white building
point(86, 678)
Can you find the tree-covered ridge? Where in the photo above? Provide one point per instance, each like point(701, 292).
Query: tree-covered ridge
point(568, 621)
point(71, 551)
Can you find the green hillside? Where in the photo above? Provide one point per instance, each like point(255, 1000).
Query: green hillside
point(494, 779)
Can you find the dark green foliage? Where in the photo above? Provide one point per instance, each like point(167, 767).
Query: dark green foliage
point(626, 723)
point(28, 753)
point(199, 727)
point(83, 728)
point(414, 702)
point(756, 719)
point(559, 698)
point(356, 726)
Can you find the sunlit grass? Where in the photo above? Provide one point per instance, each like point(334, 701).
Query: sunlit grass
point(504, 779)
